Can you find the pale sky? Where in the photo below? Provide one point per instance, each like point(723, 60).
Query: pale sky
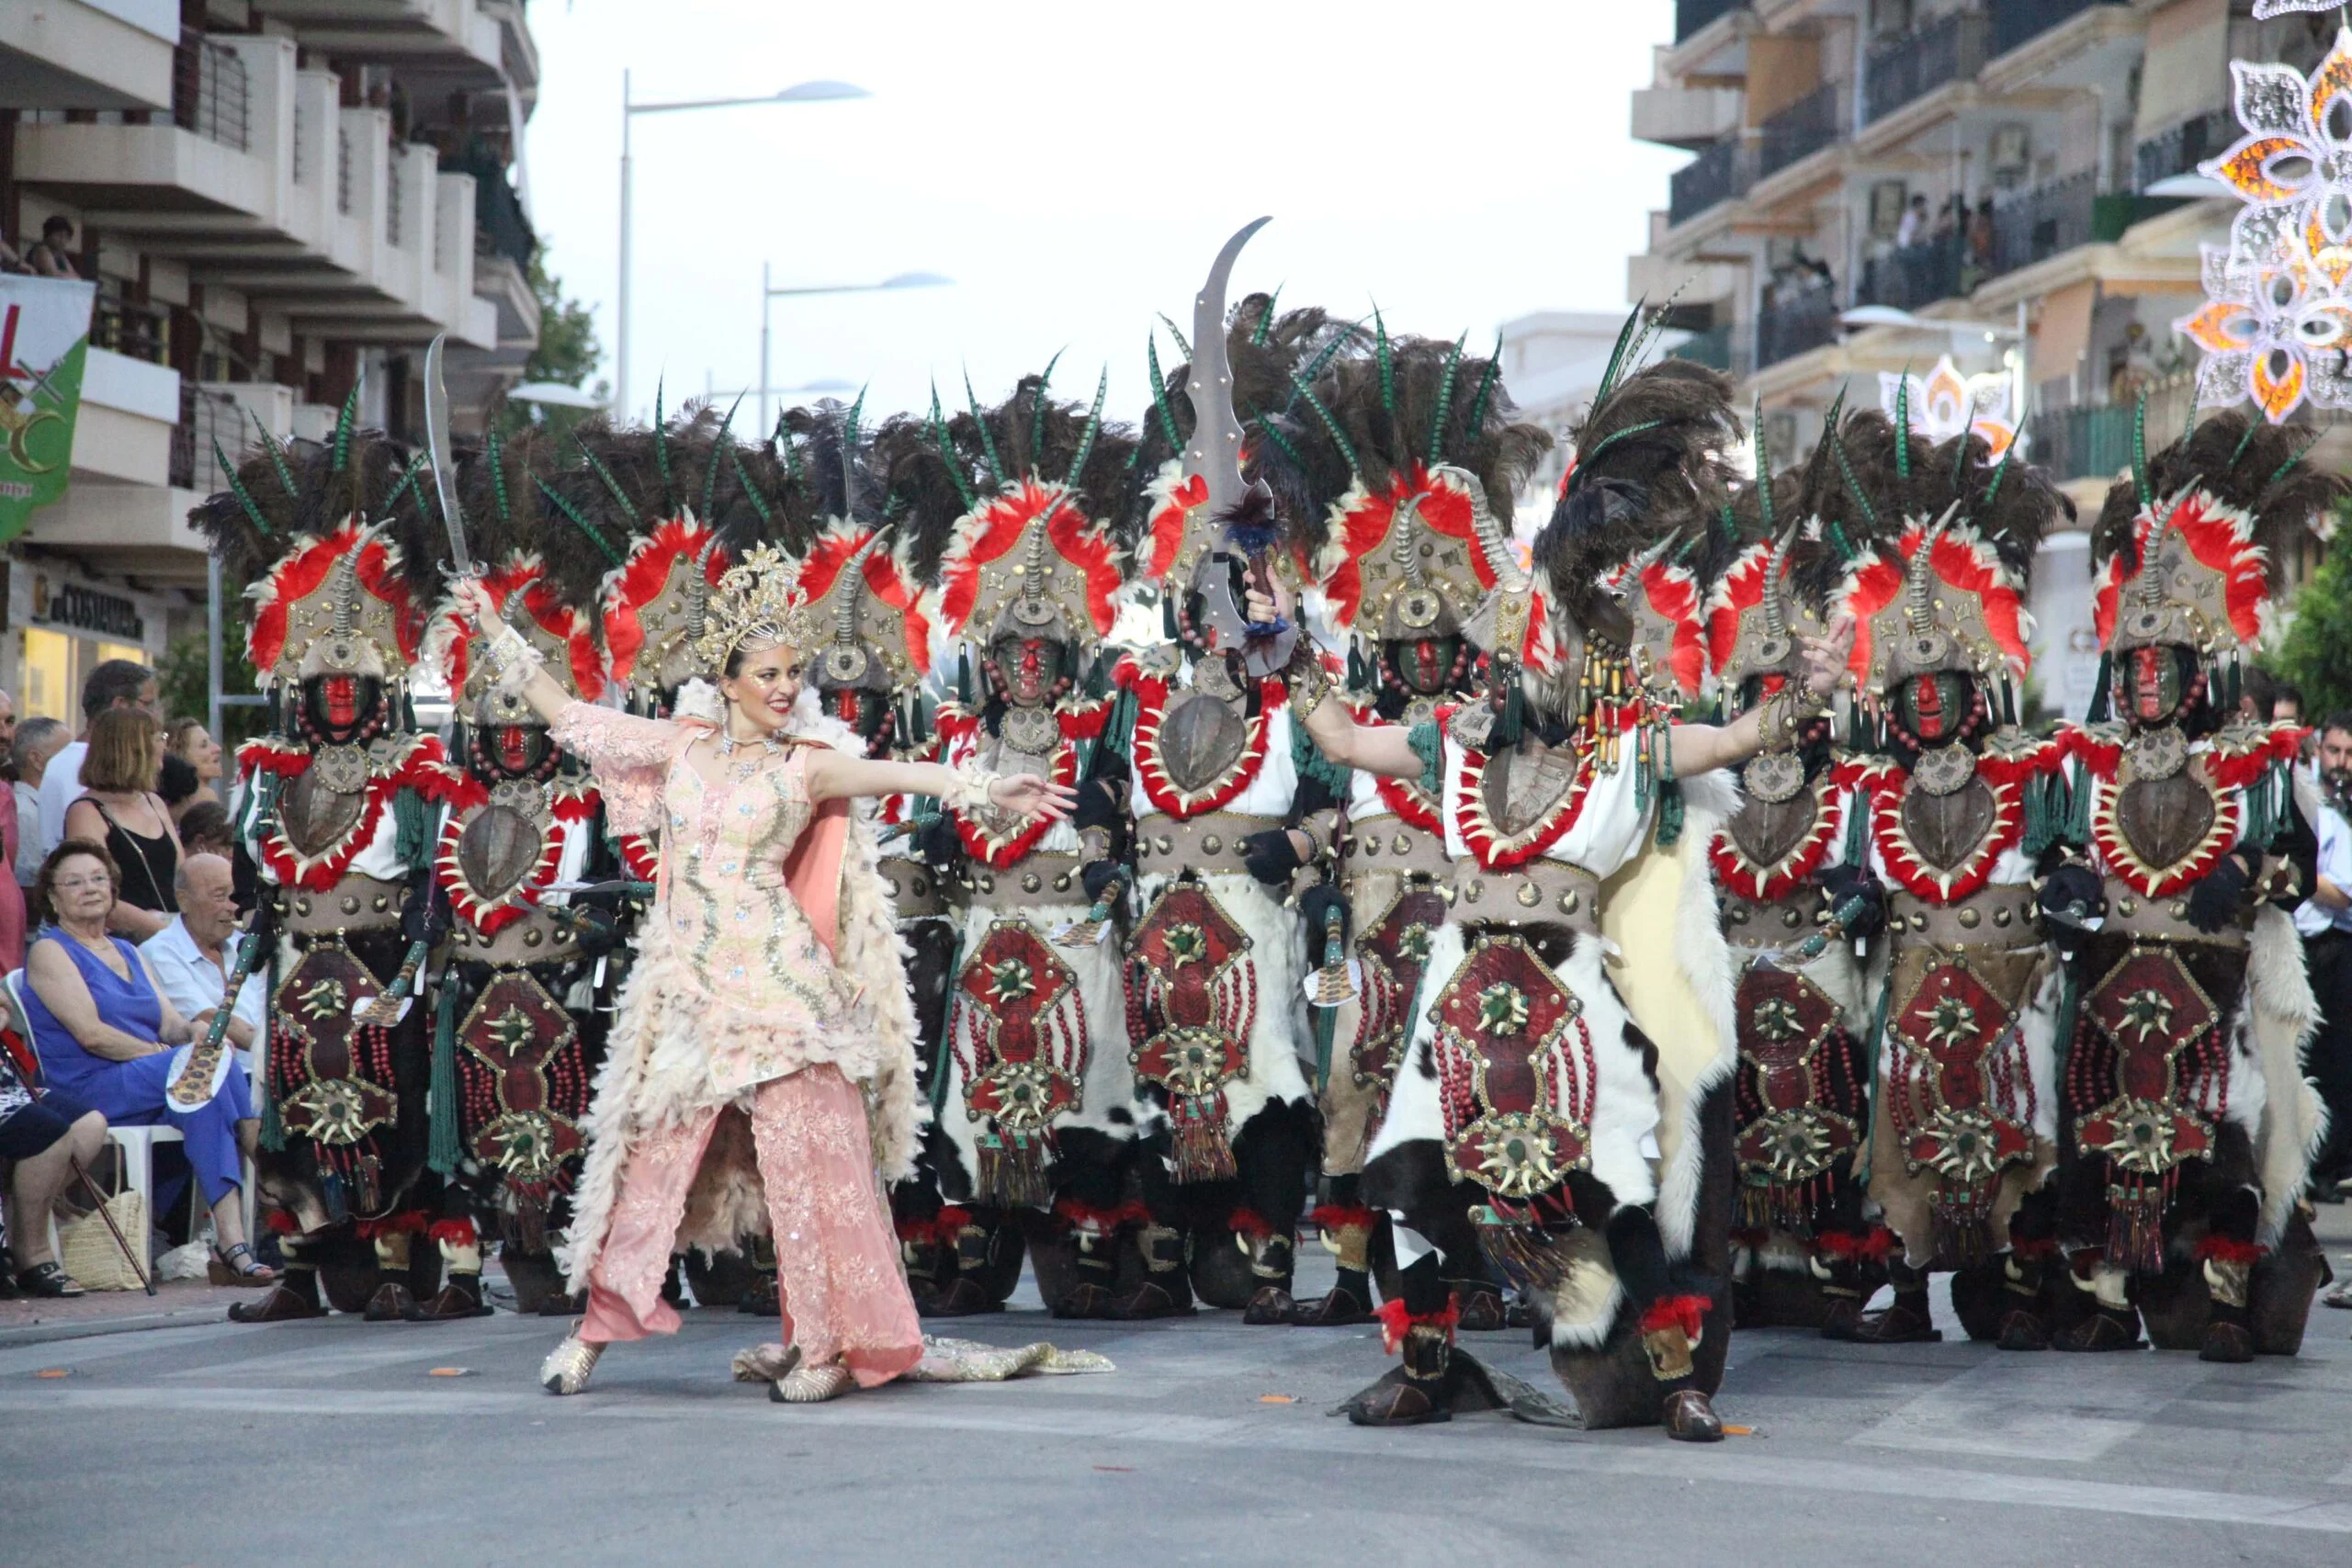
point(1074, 164)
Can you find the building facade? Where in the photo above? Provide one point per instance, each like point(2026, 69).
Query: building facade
point(1880, 183)
point(277, 200)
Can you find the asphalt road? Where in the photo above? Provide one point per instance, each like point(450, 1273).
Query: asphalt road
point(335, 1441)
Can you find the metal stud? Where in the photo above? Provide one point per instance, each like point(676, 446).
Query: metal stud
point(1530, 895)
point(1971, 919)
point(2001, 917)
point(1792, 918)
point(1403, 843)
point(1031, 882)
point(1212, 845)
point(2128, 908)
point(533, 937)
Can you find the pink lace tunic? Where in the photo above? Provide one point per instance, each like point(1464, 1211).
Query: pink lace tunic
point(736, 1005)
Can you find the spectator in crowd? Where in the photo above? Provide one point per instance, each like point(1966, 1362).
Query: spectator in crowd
point(42, 1138)
point(10, 259)
point(117, 683)
point(7, 721)
point(204, 830)
point(38, 741)
point(2257, 695)
point(176, 783)
point(188, 739)
point(121, 810)
point(2325, 922)
point(105, 1033)
point(53, 257)
point(192, 955)
point(1913, 228)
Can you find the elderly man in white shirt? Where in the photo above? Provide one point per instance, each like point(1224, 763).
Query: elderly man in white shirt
point(38, 740)
point(2325, 922)
point(192, 955)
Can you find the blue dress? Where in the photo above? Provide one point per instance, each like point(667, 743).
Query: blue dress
point(130, 1094)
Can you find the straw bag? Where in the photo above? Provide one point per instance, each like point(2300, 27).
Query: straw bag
point(88, 1251)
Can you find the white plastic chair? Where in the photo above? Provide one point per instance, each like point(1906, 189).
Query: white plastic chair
point(137, 1144)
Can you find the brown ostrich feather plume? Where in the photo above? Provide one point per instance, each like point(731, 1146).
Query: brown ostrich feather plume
point(2251, 465)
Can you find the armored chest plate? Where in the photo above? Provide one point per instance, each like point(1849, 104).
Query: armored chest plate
point(1523, 784)
point(1202, 739)
point(1767, 831)
point(316, 816)
point(2164, 820)
point(498, 848)
point(1946, 828)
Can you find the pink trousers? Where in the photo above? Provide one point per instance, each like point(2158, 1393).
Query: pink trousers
point(837, 1256)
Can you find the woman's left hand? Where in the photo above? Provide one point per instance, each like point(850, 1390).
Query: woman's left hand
point(1824, 656)
point(1031, 796)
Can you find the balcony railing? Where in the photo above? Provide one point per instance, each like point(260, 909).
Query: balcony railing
point(1690, 16)
point(134, 331)
point(2017, 22)
point(1805, 127)
point(2040, 222)
point(1787, 328)
point(2080, 443)
point(2181, 149)
point(1949, 50)
point(205, 417)
point(500, 228)
point(1712, 348)
point(1720, 173)
point(209, 92)
point(1914, 275)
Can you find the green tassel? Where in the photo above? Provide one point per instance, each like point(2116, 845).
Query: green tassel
point(1310, 763)
point(987, 440)
point(1037, 407)
point(498, 477)
point(964, 678)
point(1427, 742)
point(1485, 389)
point(410, 826)
point(1445, 397)
point(443, 1149)
point(2102, 696)
point(2070, 1006)
point(1160, 404)
point(342, 423)
point(237, 489)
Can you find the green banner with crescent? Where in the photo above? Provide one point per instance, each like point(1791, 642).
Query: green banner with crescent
point(44, 338)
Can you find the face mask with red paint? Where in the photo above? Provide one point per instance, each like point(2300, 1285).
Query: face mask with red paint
point(2148, 685)
point(339, 705)
point(1935, 707)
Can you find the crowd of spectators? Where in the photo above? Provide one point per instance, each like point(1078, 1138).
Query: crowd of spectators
point(119, 931)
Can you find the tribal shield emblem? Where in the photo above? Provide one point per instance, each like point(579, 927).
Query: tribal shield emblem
point(1516, 1072)
point(1193, 985)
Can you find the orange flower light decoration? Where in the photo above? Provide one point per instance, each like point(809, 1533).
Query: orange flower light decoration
point(2275, 331)
point(1944, 398)
point(2294, 165)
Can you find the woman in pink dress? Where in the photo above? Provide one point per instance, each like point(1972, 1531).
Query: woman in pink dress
point(761, 1073)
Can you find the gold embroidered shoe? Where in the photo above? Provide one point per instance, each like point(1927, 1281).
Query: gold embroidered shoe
point(568, 1365)
point(811, 1385)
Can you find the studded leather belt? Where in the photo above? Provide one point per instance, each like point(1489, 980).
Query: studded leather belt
point(2131, 913)
point(1389, 843)
point(537, 938)
point(918, 891)
point(1548, 891)
point(1210, 843)
point(354, 904)
point(1749, 924)
point(1990, 917)
point(1040, 878)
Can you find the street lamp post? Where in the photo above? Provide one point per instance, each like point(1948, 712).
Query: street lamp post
point(800, 93)
point(769, 291)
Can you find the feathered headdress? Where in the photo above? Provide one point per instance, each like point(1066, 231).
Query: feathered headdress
point(531, 601)
point(1760, 605)
point(1943, 547)
point(1029, 551)
point(2188, 548)
point(1411, 455)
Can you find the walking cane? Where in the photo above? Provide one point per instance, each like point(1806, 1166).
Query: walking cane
point(98, 1198)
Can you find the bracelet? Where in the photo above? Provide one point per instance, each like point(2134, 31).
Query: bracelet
point(1309, 682)
point(1782, 716)
point(511, 659)
point(971, 791)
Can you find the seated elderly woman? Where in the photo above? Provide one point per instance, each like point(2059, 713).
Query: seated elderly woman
point(105, 1033)
point(42, 1136)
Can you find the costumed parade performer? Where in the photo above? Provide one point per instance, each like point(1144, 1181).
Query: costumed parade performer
point(1229, 803)
point(1955, 810)
point(335, 807)
point(1419, 508)
point(2186, 1126)
point(1565, 1099)
point(762, 1064)
point(1036, 1107)
point(1809, 1254)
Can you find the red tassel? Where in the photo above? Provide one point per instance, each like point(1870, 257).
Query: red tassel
point(282, 1223)
point(1249, 1223)
point(1330, 1217)
point(1395, 1319)
point(2222, 1249)
point(1082, 1216)
point(1686, 1312)
point(2028, 1251)
point(454, 1233)
point(951, 1219)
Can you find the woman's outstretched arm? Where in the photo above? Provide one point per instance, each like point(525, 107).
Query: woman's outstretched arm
point(833, 776)
point(540, 689)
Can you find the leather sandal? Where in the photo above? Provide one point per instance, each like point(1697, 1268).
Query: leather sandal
point(1481, 1311)
point(1085, 1300)
point(283, 1304)
point(1688, 1416)
point(1149, 1301)
point(2227, 1342)
point(393, 1302)
point(2104, 1329)
point(47, 1281)
point(2023, 1330)
point(238, 1266)
point(1896, 1324)
point(1270, 1305)
point(454, 1301)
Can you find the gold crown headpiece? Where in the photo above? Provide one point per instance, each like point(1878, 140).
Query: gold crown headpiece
point(757, 601)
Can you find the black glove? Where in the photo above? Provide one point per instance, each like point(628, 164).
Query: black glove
point(1844, 885)
point(1271, 857)
point(1315, 908)
point(2214, 902)
point(595, 932)
point(938, 844)
point(1102, 803)
point(1099, 876)
point(2072, 893)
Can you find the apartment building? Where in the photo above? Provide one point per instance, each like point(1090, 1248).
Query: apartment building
point(1880, 183)
point(277, 200)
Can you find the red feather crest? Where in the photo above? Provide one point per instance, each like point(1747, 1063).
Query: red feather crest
point(303, 571)
point(1740, 590)
point(886, 578)
point(448, 645)
point(996, 528)
point(2221, 538)
point(1961, 563)
point(638, 581)
point(1361, 522)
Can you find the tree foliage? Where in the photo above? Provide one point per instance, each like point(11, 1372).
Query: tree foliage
point(2317, 653)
